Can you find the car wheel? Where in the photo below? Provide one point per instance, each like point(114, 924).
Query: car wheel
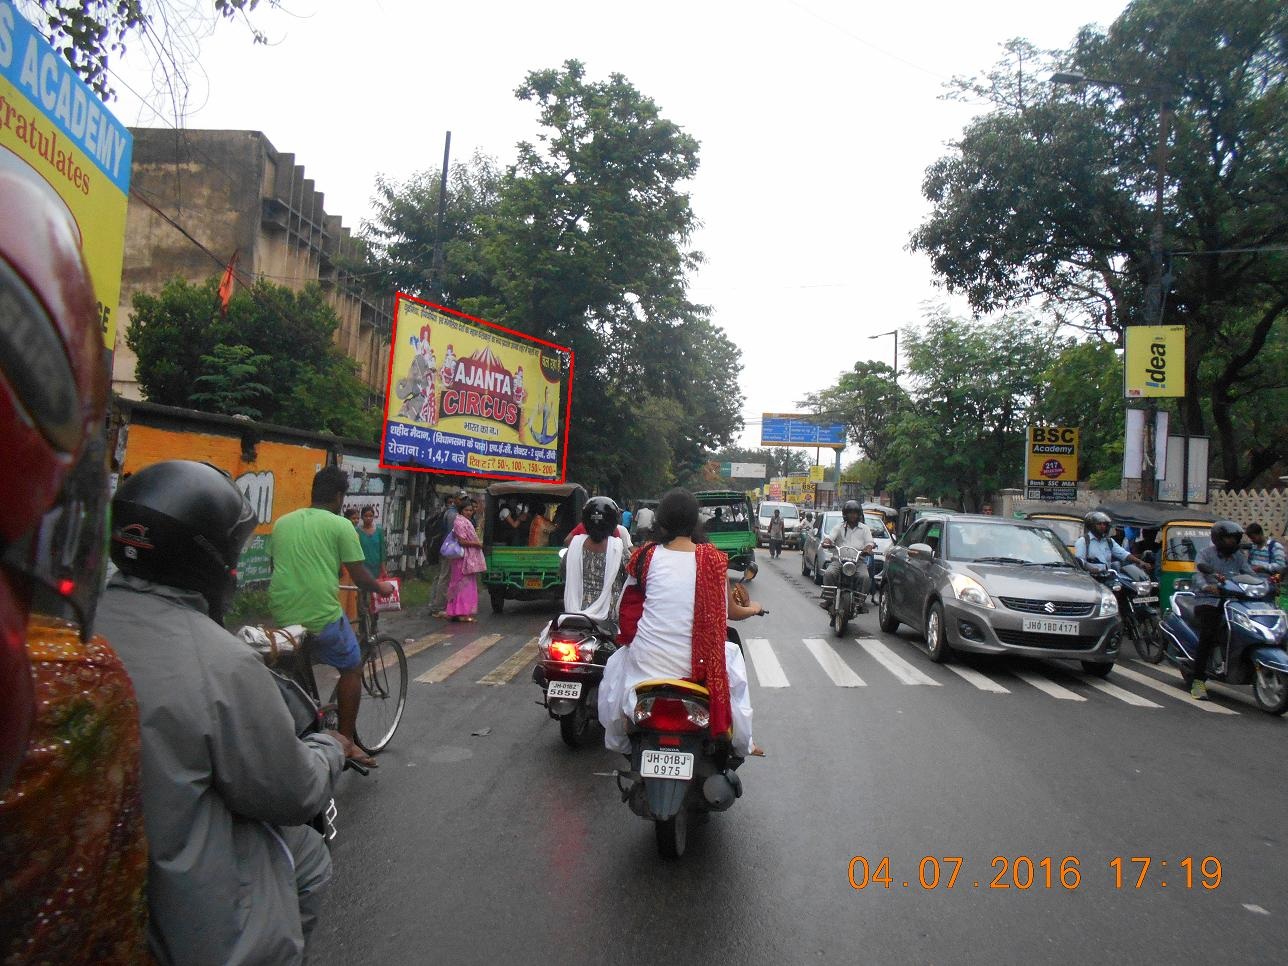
point(885, 616)
point(936, 639)
point(1097, 669)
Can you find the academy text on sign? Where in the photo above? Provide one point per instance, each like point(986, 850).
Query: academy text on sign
point(1051, 463)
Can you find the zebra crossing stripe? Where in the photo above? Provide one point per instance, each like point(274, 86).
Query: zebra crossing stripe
point(842, 674)
point(768, 671)
point(444, 669)
point(1170, 690)
point(504, 672)
point(1044, 684)
point(897, 666)
point(428, 641)
point(1121, 694)
point(981, 681)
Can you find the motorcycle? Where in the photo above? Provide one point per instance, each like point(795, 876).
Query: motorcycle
point(1252, 646)
point(847, 599)
point(570, 666)
point(1137, 607)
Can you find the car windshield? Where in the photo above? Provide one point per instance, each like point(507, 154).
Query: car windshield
point(787, 512)
point(877, 526)
point(971, 541)
point(830, 522)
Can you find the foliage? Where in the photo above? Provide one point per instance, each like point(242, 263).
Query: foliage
point(89, 33)
point(867, 399)
point(273, 346)
point(1050, 195)
point(1083, 387)
point(582, 241)
point(975, 386)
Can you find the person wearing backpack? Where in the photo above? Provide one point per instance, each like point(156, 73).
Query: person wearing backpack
point(438, 527)
point(1267, 553)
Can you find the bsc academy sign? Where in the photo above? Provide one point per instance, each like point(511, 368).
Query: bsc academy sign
point(1051, 463)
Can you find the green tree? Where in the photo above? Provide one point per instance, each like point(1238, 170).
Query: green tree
point(1083, 387)
point(273, 346)
point(974, 390)
point(867, 399)
point(1050, 194)
point(583, 242)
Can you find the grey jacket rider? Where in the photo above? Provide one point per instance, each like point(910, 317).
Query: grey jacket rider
point(226, 784)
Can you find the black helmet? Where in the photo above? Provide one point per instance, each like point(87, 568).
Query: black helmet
point(1226, 535)
point(183, 524)
point(600, 516)
point(852, 505)
point(1094, 519)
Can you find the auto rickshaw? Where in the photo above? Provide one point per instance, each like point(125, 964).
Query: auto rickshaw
point(523, 564)
point(1066, 523)
point(729, 522)
point(887, 513)
point(1179, 533)
point(910, 513)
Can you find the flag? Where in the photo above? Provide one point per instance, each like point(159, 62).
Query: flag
point(226, 285)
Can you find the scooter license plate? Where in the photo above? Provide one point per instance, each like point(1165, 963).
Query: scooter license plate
point(1038, 625)
point(667, 764)
point(563, 689)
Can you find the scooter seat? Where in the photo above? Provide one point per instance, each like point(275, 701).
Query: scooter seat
point(658, 684)
point(1183, 605)
point(606, 630)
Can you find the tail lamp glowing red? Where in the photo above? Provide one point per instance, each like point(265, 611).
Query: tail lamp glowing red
point(672, 714)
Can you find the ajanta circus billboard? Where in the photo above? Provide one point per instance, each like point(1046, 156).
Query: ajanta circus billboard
point(469, 397)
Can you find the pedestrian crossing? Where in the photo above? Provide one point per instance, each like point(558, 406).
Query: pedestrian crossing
point(856, 662)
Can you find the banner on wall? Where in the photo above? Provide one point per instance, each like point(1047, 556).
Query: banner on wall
point(52, 122)
point(468, 397)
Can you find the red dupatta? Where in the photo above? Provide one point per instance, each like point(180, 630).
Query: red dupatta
point(709, 617)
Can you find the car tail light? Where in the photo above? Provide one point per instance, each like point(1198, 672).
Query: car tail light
point(671, 714)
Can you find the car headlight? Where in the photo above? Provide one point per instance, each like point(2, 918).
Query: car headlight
point(970, 591)
point(1108, 603)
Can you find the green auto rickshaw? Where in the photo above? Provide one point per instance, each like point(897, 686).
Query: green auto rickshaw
point(729, 522)
point(1173, 533)
point(523, 561)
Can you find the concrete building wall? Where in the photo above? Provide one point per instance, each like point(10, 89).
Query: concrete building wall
point(198, 196)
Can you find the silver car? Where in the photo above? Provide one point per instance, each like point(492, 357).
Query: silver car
point(996, 586)
point(817, 550)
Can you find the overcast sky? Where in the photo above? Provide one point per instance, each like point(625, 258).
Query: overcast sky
point(816, 119)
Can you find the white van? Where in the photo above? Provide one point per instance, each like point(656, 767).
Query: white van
point(791, 523)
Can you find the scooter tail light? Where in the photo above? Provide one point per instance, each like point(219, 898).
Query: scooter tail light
point(672, 714)
point(565, 651)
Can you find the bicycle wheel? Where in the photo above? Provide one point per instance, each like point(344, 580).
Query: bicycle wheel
point(384, 693)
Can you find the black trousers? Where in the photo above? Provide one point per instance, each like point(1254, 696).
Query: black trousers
point(1209, 618)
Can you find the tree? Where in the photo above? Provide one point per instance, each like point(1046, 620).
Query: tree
point(583, 242)
point(1083, 387)
point(974, 389)
point(273, 348)
point(91, 32)
point(867, 399)
point(1050, 194)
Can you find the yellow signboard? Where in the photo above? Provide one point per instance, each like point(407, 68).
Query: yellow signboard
point(468, 397)
point(1051, 463)
point(1155, 361)
point(51, 121)
point(816, 472)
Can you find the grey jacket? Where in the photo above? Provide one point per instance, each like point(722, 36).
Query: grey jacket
point(221, 768)
point(1236, 563)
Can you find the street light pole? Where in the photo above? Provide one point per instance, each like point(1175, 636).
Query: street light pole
point(895, 333)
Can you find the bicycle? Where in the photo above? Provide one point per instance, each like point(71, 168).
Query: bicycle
point(384, 683)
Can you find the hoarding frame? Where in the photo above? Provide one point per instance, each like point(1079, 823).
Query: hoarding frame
point(791, 420)
point(513, 334)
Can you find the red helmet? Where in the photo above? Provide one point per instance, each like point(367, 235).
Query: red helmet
point(53, 398)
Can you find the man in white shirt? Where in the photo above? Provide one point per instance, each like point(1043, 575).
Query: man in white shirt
point(850, 532)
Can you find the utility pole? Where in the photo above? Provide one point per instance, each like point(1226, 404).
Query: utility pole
point(436, 264)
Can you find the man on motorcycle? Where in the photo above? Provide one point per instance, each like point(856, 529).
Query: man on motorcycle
point(850, 532)
point(595, 564)
point(1224, 558)
point(234, 874)
point(1097, 547)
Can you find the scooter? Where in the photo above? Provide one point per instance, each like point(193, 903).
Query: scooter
point(847, 599)
point(570, 665)
point(1252, 649)
point(1137, 607)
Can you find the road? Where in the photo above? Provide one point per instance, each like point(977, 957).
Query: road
point(482, 838)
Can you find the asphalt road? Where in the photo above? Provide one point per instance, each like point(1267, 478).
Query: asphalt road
point(482, 838)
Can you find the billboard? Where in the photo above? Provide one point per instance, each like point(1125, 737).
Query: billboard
point(51, 121)
point(743, 471)
point(800, 429)
point(468, 397)
point(1051, 463)
point(1154, 365)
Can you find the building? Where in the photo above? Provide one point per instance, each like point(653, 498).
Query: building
point(196, 197)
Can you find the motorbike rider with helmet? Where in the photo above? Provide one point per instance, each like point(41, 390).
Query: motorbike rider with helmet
point(1098, 548)
point(1224, 558)
point(850, 532)
point(594, 566)
point(234, 872)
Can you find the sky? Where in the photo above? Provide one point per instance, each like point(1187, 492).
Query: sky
point(816, 120)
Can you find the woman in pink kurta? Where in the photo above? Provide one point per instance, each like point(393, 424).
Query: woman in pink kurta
point(462, 587)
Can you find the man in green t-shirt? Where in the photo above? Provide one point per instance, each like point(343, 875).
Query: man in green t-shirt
point(308, 547)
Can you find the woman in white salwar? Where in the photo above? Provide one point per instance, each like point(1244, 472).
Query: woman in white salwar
point(680, 631)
